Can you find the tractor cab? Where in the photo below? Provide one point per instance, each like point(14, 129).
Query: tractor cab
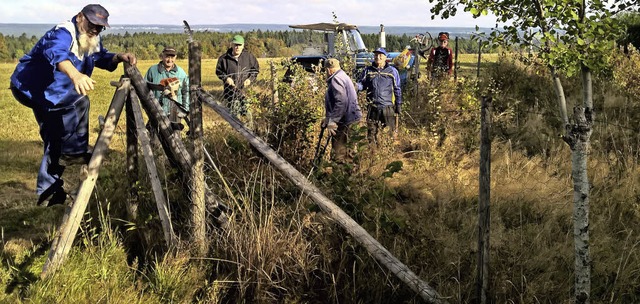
point(341, 40)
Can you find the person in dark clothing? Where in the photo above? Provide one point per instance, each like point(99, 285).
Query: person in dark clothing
point(384, 95)
point(237, 70)
point(53, 79)
point(341, 109)
point(440, 61)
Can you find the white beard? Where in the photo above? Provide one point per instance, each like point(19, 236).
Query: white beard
point(88, 45)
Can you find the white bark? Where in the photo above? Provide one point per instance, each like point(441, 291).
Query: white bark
point(578, 138)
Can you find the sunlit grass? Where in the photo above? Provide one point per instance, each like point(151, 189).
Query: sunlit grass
point(280, 248)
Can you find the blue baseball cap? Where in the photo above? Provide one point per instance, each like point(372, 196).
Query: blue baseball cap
point(96, 14)
point(381, 50)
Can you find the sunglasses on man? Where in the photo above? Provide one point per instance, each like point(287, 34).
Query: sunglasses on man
point(94, 28)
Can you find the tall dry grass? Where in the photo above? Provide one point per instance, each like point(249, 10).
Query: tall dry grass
point(418, 198)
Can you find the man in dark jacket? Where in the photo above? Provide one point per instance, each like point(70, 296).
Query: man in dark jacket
point(237, 70)
point(341, 109)
point(382, 83)
point(53, 79)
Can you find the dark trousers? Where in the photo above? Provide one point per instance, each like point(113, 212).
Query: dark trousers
point(340, 144)
point(377, 119)
point(63, 130)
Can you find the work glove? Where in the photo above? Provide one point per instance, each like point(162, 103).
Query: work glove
point(397, 108)
point(332, 127)
point(230, 81)
point(247, 82)
point(323, 124)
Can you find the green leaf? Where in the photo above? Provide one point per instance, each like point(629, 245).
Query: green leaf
point(392, 167)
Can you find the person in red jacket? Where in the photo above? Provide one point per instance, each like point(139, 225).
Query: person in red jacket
point(440, 61)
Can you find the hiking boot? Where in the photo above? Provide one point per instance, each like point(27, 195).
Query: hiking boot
point(75, 159)
point(57, 198)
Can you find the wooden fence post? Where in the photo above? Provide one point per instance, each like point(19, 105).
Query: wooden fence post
point(456, 64)
point(274, 83)
point(73, 215)
point(479, 59)
point(484, 199)
point(198, 211)
point(132, 163)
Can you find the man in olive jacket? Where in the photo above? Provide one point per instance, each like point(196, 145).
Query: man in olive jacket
point(237, 70)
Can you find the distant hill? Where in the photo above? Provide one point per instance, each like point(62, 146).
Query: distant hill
point(31, 29)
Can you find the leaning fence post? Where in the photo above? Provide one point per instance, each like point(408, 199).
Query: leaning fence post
point(73, 214)
point(329, 207)
point(132, 163)
point(152, 171)
point(198, 212)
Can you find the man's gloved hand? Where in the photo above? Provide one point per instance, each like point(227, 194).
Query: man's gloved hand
point(230, 81)
point(397, 108)
point(332, 127)
point(247, 82)
point(323, 124)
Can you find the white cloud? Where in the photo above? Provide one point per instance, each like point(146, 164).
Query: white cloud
point(359, 12)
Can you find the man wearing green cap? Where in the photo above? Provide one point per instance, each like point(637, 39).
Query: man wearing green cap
point(237, 70)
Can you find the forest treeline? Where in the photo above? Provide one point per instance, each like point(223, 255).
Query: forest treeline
point(265, 44)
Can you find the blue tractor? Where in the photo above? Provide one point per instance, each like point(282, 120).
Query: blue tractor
point(340, 40)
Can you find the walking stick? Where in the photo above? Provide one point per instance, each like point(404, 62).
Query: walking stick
point(320, 149)
point(395, 132)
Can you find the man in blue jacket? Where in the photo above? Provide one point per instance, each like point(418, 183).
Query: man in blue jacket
point(341, 109)
point(382, 83)
point(53, 79)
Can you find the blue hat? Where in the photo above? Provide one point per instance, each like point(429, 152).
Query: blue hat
point(381, 50)
point(96, 14)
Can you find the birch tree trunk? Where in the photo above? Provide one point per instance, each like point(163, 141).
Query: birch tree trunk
point(578, 139)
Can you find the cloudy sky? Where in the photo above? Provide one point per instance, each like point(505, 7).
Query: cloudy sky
point(359, 12)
